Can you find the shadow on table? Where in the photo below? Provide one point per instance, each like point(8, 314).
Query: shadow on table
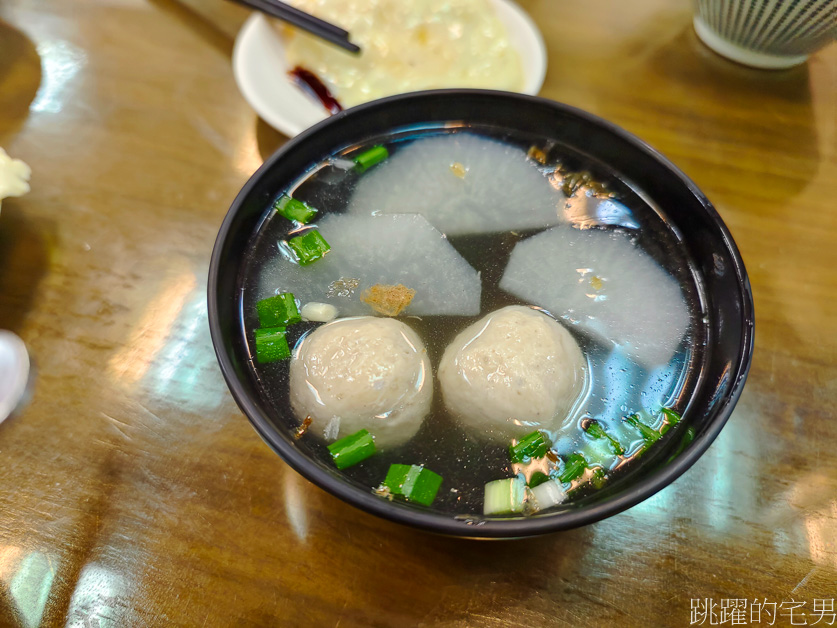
point(268, 139)
point(20, 77)
point(24, 259)
point(199, 23)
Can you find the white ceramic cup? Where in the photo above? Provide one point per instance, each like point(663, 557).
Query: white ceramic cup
point(771, 34)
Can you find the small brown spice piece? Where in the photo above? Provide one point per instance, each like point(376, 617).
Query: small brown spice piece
point(596, 282)
point(383, 491)
point(536, 154)
point(458, 169)
point(553, 457)
point(300, 431)
point(575, 180)
point(388, 300)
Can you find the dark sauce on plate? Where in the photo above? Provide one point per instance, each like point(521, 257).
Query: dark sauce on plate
point(312, 84)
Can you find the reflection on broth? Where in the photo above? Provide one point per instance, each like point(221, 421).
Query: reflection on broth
point(467, 222)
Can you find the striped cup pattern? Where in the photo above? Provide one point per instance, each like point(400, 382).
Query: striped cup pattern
point(777, 27)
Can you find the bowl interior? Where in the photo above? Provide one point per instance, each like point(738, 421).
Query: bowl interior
point(725, 297)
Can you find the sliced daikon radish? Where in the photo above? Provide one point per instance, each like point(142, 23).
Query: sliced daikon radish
point(462, 184)
point(390, 250)
point(604, 284)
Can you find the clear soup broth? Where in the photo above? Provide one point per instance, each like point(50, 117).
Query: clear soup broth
point(588, 196)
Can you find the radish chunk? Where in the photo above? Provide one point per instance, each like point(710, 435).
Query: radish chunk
point(601, 282)
point(387, 250)
point(462, 184)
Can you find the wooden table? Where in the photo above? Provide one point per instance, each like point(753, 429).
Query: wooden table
point(134, 493)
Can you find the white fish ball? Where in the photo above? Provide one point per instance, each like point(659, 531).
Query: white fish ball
point(362, 373)
point(511, 372)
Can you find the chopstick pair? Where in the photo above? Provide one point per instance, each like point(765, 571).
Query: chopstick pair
point(306, 22)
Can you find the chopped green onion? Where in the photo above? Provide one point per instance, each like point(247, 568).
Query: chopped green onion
point(413, 483)
point(672, 419)
point(548, 494)
point(688, 437)
point(597, 454)
point(278, 311)
point(271, 345)
point(599, 478)
point(533, 445)
point(369, 158)
point(538, 478)
point(294, 209)
point(573, 468)
point(309, 247)
point(597, 431)
point(505, 497)
point(352, 449)
point(650, 435)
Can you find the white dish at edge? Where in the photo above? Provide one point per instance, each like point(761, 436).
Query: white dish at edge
point(261, 70)
point(14, 372)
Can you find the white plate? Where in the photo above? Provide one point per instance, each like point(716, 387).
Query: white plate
point(261, 70)
point(14, 372)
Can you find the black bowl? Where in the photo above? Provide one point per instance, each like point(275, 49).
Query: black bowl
point(729, 302)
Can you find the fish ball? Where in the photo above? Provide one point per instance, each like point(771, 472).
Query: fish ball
point(362, 373)
point(511, 372)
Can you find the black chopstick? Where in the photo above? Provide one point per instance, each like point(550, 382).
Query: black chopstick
point(302, 15)
point(306, 22)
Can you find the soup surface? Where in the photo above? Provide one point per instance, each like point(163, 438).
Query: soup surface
point(642, 347)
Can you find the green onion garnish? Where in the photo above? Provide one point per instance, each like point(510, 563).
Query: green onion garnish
point(271, 345)
point(672, 419)
point(293, 209)
point(573, 468)
point(504, 497)
point(688, 437)
point(278, 311)
point(597, 431)
point(650, 435)
point(538, 478)
point(413, 483)
point(309, 247)
point(369, 158)
point(531, 446)
point(352, 449)
point(599, 478)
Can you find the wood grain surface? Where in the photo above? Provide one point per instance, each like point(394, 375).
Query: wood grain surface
point(134, 493)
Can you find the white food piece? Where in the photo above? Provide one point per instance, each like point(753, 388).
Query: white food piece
point(318, 312)
point(511, 372)
point(370, 373)
point(501, 188)
point(600, 281)
point(396, 249)
point(14, 176)
point(14, 372)
point(407, 46)
point(548, 494)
